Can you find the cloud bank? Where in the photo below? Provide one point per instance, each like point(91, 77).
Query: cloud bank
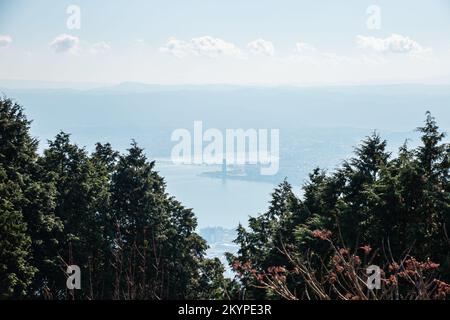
point(5, 40)
point(202, 46)
point(65, 43)
point(303, 47)
point(395, 43)
point(100, 48)
point(261, 47)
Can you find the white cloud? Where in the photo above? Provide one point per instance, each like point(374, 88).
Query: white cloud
point(202, 46)
point(308, 54)
point(100, 47)
point(261, 47)
point(178, 48)
point(5, 40)
point(214, 47)
point(320, 59)
point(395, 43)
point(65, 43)
point(303, 47)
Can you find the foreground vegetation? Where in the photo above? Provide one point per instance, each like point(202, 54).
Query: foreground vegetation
point(109, 213)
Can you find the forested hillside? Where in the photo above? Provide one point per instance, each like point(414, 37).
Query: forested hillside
point(109, 213)
point(106, 212)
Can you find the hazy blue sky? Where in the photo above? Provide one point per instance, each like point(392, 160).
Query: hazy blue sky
point(228, 41)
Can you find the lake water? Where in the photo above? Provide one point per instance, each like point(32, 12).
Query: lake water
point(215, 202)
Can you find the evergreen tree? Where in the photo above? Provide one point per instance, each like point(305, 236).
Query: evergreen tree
point(82, 198)
point(27, 206)
point(157, 253)
point(16, 271)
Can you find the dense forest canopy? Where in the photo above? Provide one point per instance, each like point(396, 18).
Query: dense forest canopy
point(109, 213)
point(106, 212)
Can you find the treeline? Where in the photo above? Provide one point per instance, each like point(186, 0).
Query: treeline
point(109, 214)
point(106, 212)
point(376, 209)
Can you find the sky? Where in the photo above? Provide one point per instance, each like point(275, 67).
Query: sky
point(277, 42)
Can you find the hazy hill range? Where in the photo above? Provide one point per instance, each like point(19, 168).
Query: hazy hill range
point(312, 120)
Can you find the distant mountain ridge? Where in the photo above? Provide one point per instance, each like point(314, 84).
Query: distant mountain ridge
point(136, 87)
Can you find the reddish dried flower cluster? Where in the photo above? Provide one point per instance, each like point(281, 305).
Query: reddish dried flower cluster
point(259, 277)
point(344, 260)
point(413, 265)
point(242, 268)
point(278, 273)
point(393, 267)
point(322, 234)
point(356, 260)
point(429, 265)
point(339, 268)
point(332, 277)
point(408, 274)
point(236, 265)
point(366, 249)
point(442, 289)
point(337, 264)
point(411, 274)
point(392, 280)
point(336, 259)
point(273, 270)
